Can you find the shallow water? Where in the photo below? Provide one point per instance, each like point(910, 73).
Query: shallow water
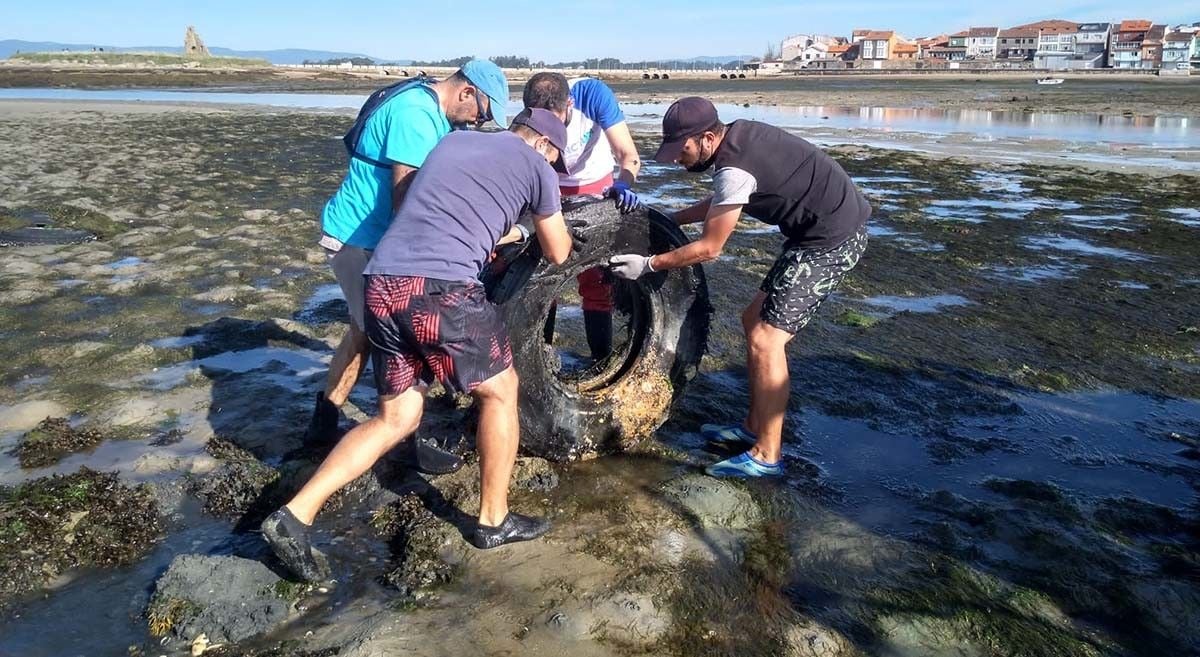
point(930, 304)
point(1075, 245)
point(292, 367)
point(983, 125)
point(100, 612)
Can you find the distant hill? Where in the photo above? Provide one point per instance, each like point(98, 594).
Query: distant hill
point(721, 59)
point(285, 56)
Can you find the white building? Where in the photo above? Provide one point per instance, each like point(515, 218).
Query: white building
point(795, 46)
point(1055, 50)
point(981, 42)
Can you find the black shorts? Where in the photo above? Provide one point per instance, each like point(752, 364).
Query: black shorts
point(802, 278)
point(424, 328)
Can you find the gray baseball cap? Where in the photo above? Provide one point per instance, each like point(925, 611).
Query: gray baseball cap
point(546, 124)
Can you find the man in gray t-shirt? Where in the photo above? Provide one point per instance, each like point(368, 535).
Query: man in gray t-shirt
point(468, 195)
point(427, 316)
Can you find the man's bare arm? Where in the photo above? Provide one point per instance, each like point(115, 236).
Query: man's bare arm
point(402, 176)
point(693, 214)
point(624, 152)
point(719, 225)
point(553, 235)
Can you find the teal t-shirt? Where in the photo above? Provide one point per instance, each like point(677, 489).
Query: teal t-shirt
point(403, 131)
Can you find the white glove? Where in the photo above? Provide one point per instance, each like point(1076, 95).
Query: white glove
point(630, 266)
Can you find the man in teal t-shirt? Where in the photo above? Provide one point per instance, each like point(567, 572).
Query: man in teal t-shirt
point(400, 133)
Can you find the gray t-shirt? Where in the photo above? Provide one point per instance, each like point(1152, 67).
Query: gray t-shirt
point(733, 186)
point(468, 194)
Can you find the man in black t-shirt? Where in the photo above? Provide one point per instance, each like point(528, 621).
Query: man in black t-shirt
point(782, 180)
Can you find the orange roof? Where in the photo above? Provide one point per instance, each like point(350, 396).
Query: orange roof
point(905, 48)
point(839, 49)
point(879, 35)
point(1018, 33)
point(1051, 26)
point(933, 41)
point(964, 33)
point(1135, 26)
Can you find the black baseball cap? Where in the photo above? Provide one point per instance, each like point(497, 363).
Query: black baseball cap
point(546, 124)
point(687, 117)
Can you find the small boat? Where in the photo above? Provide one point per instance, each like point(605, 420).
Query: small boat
point(1050, 81)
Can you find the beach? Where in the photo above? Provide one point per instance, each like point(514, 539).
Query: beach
point(993, 442)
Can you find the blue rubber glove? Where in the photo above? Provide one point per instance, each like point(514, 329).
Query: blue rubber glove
point(626, 200)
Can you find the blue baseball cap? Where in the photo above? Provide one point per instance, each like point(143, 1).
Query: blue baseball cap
point(488, 78)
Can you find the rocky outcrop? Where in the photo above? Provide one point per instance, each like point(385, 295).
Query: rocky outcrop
point(228, 599)
point(713, 502)
point(193, 45)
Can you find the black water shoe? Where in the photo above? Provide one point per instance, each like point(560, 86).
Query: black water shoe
point(323, 427)
point(428, 458)
point(513, 529)
point(288, 538)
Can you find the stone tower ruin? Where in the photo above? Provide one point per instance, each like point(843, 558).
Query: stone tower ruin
point(193, 46)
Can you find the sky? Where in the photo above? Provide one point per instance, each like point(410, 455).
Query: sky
point(549, 30)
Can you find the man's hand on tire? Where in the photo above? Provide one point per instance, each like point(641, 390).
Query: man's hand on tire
point(627, 200)
point(630, 266)
point(578, 239)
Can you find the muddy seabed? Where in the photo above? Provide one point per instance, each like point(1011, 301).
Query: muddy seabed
point(993, 444)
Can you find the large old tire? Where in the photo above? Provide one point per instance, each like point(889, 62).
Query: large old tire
point(625, 398)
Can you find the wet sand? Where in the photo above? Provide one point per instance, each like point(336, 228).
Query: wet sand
point(992, 442)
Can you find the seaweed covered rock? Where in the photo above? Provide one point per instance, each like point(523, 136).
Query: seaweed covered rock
point(237, 485)
point(55, 224)
point(227, 598)
point(51, 440)
point(530, 474)
point(284, 649)
point(418, 538)
point(88, 518)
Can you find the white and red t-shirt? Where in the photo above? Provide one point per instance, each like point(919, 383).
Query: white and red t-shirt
point(589, 157)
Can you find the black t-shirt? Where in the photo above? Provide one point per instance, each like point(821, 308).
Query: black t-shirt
point(783, 180)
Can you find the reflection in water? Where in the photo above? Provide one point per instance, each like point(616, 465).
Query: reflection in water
point(1156, 131)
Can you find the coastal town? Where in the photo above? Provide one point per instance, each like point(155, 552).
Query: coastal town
point(1056, 45)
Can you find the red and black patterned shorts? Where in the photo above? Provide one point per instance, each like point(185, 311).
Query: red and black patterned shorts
point(422, 328)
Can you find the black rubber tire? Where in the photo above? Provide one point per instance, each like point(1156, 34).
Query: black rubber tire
point(621, 401)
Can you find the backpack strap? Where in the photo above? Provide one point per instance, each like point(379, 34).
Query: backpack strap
point(375, 101)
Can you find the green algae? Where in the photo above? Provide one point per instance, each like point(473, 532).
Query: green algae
point(992, 616)
point(54, 524)
point(52, 440)
point(856, 319)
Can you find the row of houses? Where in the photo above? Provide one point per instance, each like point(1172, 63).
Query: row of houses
point(1051, 44)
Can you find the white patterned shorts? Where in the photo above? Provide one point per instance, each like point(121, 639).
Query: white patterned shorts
point(802, 278)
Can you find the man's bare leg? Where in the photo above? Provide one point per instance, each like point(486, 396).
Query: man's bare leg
point(497, 441)
point(358, 451)
point(287, 530)
point(770, 385)
point(347, 365)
